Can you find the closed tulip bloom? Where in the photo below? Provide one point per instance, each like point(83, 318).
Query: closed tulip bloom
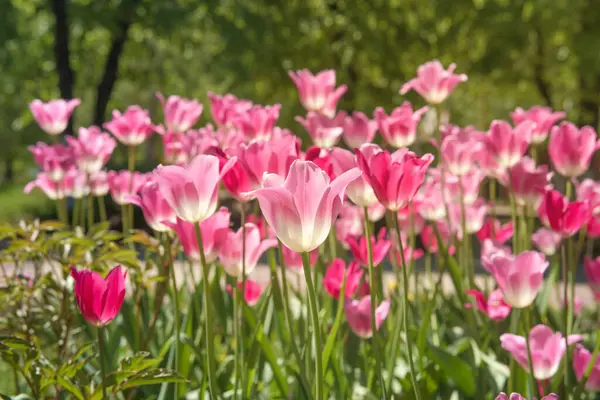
point(519, 277)
point(563, 217)
point(192, 191)
point(55, 160)
point(318, 92)
point(571, 149)
point(258, 122)
point(494, 307)
point(358, 315)
point(51, 188)
point(543, 117)
point(517, 396)
point(180, 113)
point(359, 191)
point(132, 127)
point(302, 208)
point(53, 116)
point(252, 291)
point(460, 153)
point(507, 145)
point(546, 240)
point(433, 82)
point(399, 129)
point(581, 359)
point(589, 191)
point(293, 259)
point(231, 250)
point(528, 182)
point(494, 230)
point(124, 184)
point(547, 350)
point(324, 131)
point(226, 109)
point(358, 129)
point(155, 208)
point(379, 246)
point(396, 177)
point(76, 183)
point(99, 299)
point(592, 273)
point(92, 148)
point(99, 183)
point(334, 277)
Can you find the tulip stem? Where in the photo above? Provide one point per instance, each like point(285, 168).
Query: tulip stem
point(411, 364)
point(589, 368)
point(527, 320)
point(316, 327)
point(102, 208)
point(175, 305)
point(208, 319)
point(101, 357)
point(131, 167)
point(374, 338)
point(565, 277)
point(239, 348)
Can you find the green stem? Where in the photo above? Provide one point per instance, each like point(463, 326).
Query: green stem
point(102, 208)
point(566, 314)
point(589, 369)
point(314, 313)
point(239, 350)
point(75, 216)
point(465, 238)
point(90, 211)
point(411, 364)
point(101, 356)
point(131, 167)
point(208, 319)
point(527, 320)
point(513, 213)
point(124, 219)
point(175, 304)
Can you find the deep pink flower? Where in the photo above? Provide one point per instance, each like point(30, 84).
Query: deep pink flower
point(379, 246)
point(409, 253)
point(99, 299)
point(334, 277)
point(430, 243)
point(517, 396)
point(396, 177)
point(324, 131)
point(563, 217)
point(547, 350)
point(55, 160)
point(349, 223)
point(571, 149)
point(358, 129)
point(124, 184)
point(226, 109)
point(231, 249)
point(322, 158)
point(92, 148)
point(589, 191)
point(494, 230)
point(494, 307)
point(180, 113)
point(581, 360)
point(258, 122)
point(593, 227)
point(51, 188)
point(399, 129)
point(546, 240)
point(360, 191)
point(592, 273)
point(154, 206)
point(543, 117)
point(317, 92)
point(302, 208)
point(253, 291)
point(528, 183)
point(53, 116)
point(99, 183)
point(293, 259)
point(433, 82)
point(507, 145)
point(460, 153)
point(192, 191)
point(358, 315)
point(132, 127)
point(520, 278)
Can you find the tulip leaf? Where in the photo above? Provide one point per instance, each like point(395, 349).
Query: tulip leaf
point(69, 387)
point(14, 343)
point(455, 368)
point(152, 377)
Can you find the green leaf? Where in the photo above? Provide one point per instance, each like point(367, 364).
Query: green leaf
point(69, 387)
point(460, 372)
point(152, 377)
point(15, 343)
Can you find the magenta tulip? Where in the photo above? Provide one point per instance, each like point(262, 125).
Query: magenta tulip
point(180, 113)
point(460, 153)
point(563, 217)
point(53, 189)
point(258, 122)
point(360, 191)
point(543, 117)
point(379, 247)
point(493, 229)
point(253, 291)
point(293, 259)
point(131, 128)
point(494, 307)
point(358, 315)
point(517, 396)
point(592, 273)
point(528, 183)
point(433, 82)
point(507, 145)
point(581, 359)
point(334, 277)
point(53, 116)
point(571, 149)
point(358, 129)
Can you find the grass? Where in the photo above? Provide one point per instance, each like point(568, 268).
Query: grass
point(14, 204)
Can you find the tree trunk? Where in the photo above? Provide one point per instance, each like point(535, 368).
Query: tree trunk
point(9, 171)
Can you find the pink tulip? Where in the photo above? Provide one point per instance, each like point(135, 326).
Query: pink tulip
point(76, 184)
point(379, 247)
point(517, 396)
point(359, 191)
point(494, 307)
point(592, 273)
point(324, 131)
point(99, 183)
point(409, 219)
point(349, 223)
point(155, 208)
point(358, 129)
point(399, 129)
point(395, 178)
point(358, 315)
point(431, 203)
point(124, 184)
point(231, 250)
point(475, 215)
point(577, 305)
point(543, 117)
point(55, 160)
point(528, 183)
point(180, 113)
point(547, 350)
point(433, 82)
point(581, 361)
point(593, 227)
point(571, 149)
point(192, 191)
point(489, 250)
point(546, 240)
point(99, 299)
point(293, 260)
point(91, 148)
point(563, 217)
point(334, 277)
point(322, 158)
point(489, 164)
point(226, 109)
point(376, 212)
point(589, 191)
point(53, 116)
point(258, 121)
point(470, 183)
point(317, 92)
point(252, 292)
point(51, 188)
point(265, 230)
point(430, 243)
point(409, 253)
point(132, 127)
point(507, 145)
point(302, 208)
point(492, 229)
point(460, 153)
point(520, 278)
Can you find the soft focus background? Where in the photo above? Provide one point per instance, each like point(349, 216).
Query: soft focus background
point(115, 53)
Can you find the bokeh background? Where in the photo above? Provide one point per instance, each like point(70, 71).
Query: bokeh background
point(115, 53)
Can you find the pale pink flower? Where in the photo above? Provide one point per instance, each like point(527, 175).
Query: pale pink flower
point(571, 149)
point(124, 184)
point(51, 188)
point(349, 223)
point(470, 182)
point(517, 396)
point(318, 92)
point(132, 127)
point(53, 116)
point(592, 273)
point(55, 160)
point(460, 153)
point(180, 113)
point(528, 183)
point(433, 82)
point(359, 191)
point(543, 117)
point(474, 216)
point(76, 184)
point(98, 182)
point(358, 315)
point(92, 148)
point(507, 145)
point(155, 208)
point(546, 240)
point(293, 259)
point(231, 249)
point(489, 249)
point(226, 109)
point(399, 129)
point(589, 191)
point(409, 218)
point(581, 360)
point(324, 131)
point(431, 204)
point(358, 129)
point(258, 122)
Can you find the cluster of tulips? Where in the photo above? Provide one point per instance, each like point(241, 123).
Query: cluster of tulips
point(313, 208)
